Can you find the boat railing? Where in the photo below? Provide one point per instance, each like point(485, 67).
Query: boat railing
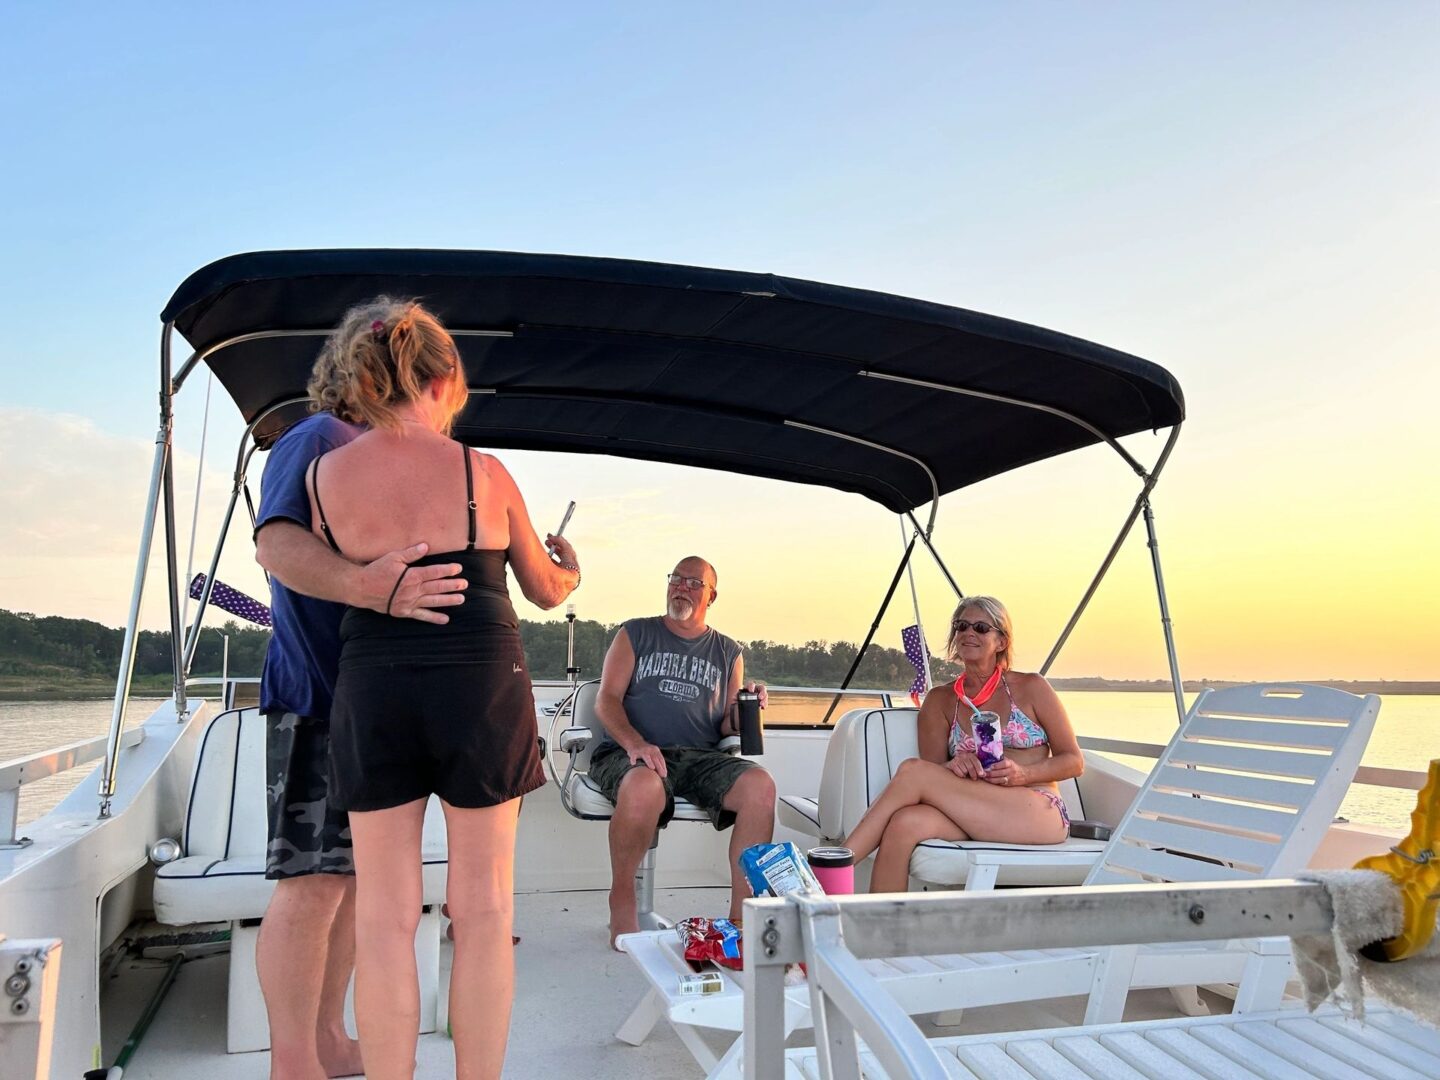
point(789, 705)
point(17, 772)
point(1372, 775)
point(229, 687)
point(20, 771)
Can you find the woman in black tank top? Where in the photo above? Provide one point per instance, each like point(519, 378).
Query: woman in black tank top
point(428, 708)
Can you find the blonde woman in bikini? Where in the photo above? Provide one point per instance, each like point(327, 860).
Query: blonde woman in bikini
point(946, 793)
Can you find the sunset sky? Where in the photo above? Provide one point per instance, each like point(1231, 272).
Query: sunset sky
point(1247, 195)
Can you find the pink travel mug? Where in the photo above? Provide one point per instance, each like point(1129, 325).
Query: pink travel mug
point(834, 868)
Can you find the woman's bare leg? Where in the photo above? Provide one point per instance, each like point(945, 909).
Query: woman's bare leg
point(909, 826)
point(1002, 814)
point(989, 811)
point(387, 913)
point(906, 788)
point(481, 895)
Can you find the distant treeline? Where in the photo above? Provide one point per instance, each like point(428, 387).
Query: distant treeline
point(51, 645)
point(35, 645)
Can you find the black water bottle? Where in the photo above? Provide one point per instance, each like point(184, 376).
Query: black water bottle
point(752, 737)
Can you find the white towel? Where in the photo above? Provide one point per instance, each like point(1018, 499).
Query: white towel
point(1367, 908)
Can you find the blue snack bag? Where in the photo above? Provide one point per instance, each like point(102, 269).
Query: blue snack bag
point(778, 870)
point(729, 940)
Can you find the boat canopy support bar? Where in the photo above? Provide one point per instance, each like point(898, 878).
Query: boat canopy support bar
point(177, 632)
point(193, 642)
point(1176, 685)
point(924, 536)
point(242, 467)
point(1004, 399)
point(870, 636)
point(132, 621)
point(172, 550)
point(1141, 506)
point(263, 335)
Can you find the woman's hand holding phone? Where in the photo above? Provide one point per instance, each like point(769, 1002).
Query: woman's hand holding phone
point(561, 550)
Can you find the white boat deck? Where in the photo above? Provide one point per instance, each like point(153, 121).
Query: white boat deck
point(572, 992)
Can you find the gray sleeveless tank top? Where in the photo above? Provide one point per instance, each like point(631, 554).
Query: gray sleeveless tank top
point(678, 692)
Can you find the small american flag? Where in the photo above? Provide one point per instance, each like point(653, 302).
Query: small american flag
point(232, 600)
point(915, 653)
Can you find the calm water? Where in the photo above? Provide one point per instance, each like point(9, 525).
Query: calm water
point(27, 727)
point(1407, 736)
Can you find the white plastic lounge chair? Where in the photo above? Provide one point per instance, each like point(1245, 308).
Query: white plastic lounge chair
point(1246, 790)
point(860, 1030)
point(865, 749)
point(583, 799)
point(221, 877)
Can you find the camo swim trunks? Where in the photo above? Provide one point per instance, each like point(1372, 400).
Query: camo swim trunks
point(307, 834)
point(701, 775)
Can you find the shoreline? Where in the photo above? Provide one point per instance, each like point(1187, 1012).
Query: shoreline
point(79, 688)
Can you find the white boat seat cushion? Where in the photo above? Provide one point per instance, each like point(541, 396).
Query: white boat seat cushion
point(221, 878)
point(798, 813)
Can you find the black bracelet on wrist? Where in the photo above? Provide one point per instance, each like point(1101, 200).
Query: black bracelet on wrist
point(576, 568)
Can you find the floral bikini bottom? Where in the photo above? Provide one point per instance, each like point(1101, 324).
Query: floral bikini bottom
point(1058, 803)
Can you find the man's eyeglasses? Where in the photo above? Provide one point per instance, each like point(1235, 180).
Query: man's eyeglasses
point(694, 584)
point(981, 628)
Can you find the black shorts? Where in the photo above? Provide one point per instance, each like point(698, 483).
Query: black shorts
point(464, 731)
point(700, 775)
point(308, 833)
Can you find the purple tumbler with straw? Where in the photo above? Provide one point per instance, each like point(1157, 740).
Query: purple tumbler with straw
point(988, 747)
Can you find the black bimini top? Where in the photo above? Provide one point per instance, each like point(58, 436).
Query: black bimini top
point(749, 373)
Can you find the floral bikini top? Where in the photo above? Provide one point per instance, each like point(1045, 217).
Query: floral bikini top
point(1019, 732)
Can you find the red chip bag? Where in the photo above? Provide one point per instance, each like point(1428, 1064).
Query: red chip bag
point(716, 941)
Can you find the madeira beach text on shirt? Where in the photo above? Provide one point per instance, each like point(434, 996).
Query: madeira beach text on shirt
point(681, 677)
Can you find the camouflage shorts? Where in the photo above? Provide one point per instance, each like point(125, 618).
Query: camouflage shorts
point(702, 776)
point(307, 835)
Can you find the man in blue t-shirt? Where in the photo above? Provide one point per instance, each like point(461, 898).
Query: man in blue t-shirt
point(306, 947)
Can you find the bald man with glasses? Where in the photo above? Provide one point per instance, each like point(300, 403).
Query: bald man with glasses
point(667, 698)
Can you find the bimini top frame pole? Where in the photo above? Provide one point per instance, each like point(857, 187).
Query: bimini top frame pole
point(161, 490)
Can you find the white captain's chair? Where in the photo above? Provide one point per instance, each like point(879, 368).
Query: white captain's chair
point(583, 799)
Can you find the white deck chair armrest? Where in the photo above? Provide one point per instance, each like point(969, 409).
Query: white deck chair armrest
point(729, 745)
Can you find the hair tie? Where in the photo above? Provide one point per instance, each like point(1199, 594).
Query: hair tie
point(377, 327)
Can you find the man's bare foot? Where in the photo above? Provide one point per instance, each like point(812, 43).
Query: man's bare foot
point(624, 916)
point(340, 1056)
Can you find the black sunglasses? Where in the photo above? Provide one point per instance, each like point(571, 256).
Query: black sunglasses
point(961, 625)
